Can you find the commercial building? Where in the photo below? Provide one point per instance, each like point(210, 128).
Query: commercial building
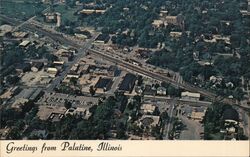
point(127, 83)
point(103, 84)
point(190, 96)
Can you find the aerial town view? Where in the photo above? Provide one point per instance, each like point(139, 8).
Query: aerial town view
point(124, 69)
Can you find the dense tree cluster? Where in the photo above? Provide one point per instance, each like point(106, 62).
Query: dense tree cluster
point(214, 123)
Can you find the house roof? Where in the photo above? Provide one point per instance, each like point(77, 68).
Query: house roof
point(197, 95)
point(24, 43)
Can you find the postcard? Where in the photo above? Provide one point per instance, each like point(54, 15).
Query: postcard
point(124, 78)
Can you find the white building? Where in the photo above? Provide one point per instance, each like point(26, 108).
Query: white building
point(190, 96)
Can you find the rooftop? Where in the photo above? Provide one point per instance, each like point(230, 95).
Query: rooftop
point(128, 82)
point(103, 83)
point(189, 94)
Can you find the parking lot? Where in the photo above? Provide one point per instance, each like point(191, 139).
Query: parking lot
point(193, 130)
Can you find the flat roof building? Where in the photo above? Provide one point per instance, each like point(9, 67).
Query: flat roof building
point(24, 43)
point(127, 83)
point(103, 84)
point(190, 96)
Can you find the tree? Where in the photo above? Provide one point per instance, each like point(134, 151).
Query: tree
point(92, 90)
point(164, 115)
point(14, 134)
point(67, 104)
point(121, 131)
point(73, 80)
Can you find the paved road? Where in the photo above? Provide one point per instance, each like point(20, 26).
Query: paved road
point(81, 53)
point(168, 125)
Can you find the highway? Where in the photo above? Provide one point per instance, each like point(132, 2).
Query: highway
point(140, 70)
